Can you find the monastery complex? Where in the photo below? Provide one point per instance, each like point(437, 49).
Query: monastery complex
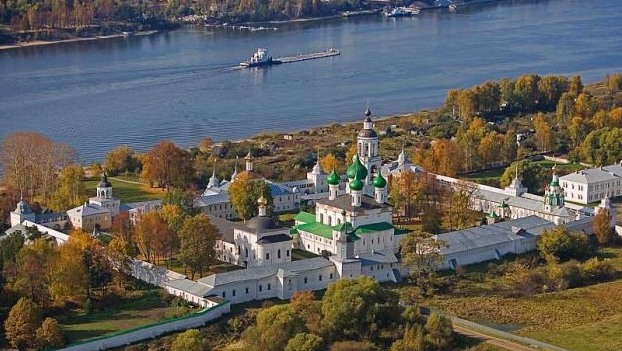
point(350, 230)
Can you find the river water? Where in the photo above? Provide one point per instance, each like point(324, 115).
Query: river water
point(180, 85)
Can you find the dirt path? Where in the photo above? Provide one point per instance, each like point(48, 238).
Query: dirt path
point(504, 344)
point(126, 181)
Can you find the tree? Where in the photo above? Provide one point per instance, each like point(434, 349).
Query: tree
point(565, 108)
point(544, 133)
point(31, 160)
point(49, 334)
point(122, 231)
point(489, 147)
point(404, 192)
point(69, 278)
point(180, 198)
point(22, 323)
point(274, 327)
point(190, 340)
point(10, 248)
point(328, 163)
point(205, 145)
point(413, 340)
point(71, 192)
point(149, 226)
point(439, 332)
point(244, 193)
point(532, 175)
point(421, 253)
point(167, 165)
point(526, 92)
point(197, 239)
point(121, 159)
point(457, 205)
point(562, 244)
point(352, 151)
point(305, 342)
point(602, 227)
point(303, 302)
point(32, 279)
point(358, 309)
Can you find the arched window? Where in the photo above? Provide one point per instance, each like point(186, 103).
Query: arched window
point(107, 193)
point(278, 253)
point(321, 218)
point(330, 220)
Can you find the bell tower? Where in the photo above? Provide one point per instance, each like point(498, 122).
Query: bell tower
point(367, 150)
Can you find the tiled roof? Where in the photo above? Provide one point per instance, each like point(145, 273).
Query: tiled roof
point(265, 271)
point(88, 210)
point(140, 205)
point(189, 286)
point(297, 183)
point(382, 256)
point(488, 235)
point(278, 189)
point(345, 202)
point(594, 175)
point(220, 198)
point(225, 228)
point(271, 239)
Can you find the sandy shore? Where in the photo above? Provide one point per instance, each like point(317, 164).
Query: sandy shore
point(41, 42)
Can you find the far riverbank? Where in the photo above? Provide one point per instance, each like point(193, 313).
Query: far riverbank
point(74, 40)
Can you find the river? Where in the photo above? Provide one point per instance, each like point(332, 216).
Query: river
point(180, 86)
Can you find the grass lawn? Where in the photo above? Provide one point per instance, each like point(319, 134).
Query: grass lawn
point(581, 319)
point(127, 192)
point(145, 307)
point(588, 318)
point(298, 254)
point(486, 175)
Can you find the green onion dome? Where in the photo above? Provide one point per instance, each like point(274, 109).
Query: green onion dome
point(356, 185)
point(379, 181)
point(333, 178)
point(356, 169)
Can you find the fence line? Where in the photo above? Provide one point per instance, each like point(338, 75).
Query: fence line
point(504, 335)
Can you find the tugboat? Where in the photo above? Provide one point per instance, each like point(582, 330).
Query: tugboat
point(260, 58)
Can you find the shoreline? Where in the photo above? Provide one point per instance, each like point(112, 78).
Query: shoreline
point(35, 43)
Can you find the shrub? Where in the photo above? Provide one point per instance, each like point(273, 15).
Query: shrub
point(353, 346)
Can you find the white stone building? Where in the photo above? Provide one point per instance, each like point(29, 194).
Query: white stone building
point(365, 220)
point(514, 202)
point(492, 242)
point(591, 185)
point(258, 242)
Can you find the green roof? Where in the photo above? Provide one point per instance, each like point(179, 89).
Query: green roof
point(326, 231)
point(347, 226)
point(316, 228)
point(305, 217)
point(293, 231)
point(374, 227)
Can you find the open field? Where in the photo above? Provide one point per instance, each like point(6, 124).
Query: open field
point(145, 307)
point(586, 318)
point(127, 192)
